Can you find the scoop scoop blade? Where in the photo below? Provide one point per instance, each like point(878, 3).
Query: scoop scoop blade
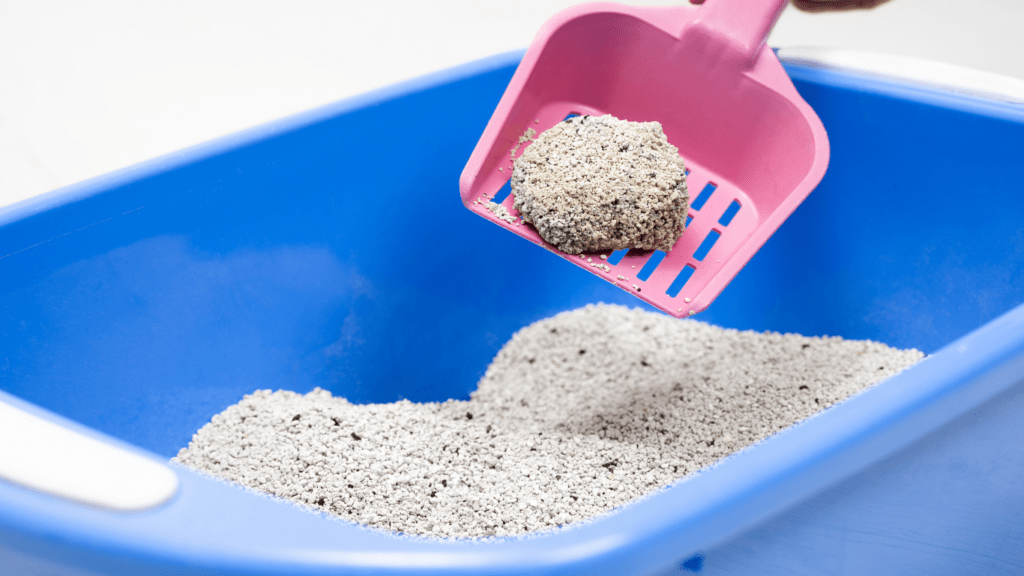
point(722, 98)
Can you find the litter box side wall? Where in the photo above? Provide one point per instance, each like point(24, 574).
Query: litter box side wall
point(914, 237)
point(950, 504)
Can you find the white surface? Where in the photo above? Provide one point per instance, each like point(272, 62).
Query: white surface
point(41, 455)
point(89, 87)
point(983, 34)
point(928, 73)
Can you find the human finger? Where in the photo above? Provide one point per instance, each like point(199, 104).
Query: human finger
point(835, 5)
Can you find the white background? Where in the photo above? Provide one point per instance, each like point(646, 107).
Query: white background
point(89, 87)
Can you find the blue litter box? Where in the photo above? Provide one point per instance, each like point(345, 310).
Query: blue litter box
point(309, 252)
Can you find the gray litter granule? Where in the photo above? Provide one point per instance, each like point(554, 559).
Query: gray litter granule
point(577, 414)
point(595, 183)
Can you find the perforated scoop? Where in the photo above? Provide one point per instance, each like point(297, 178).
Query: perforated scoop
point(754, 148)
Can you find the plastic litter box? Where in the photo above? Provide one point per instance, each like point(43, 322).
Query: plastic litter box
point(305, 253)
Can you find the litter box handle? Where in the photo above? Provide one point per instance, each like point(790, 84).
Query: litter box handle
point(741, 25)
point(40, 452)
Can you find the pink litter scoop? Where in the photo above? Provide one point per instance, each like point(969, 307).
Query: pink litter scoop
point(753, 146)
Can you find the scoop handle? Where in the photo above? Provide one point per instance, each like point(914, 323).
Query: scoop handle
point(744, 24)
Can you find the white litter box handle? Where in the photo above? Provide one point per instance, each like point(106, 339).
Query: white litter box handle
point(42, 455)
point(927, 73)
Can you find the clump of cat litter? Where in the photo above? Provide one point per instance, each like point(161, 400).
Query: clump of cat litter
point(597, 183)
point(577, 414)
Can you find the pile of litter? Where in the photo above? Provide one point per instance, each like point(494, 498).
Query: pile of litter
point(578, 414)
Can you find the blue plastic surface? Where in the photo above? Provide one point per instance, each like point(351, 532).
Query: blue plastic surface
point(300, 254)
